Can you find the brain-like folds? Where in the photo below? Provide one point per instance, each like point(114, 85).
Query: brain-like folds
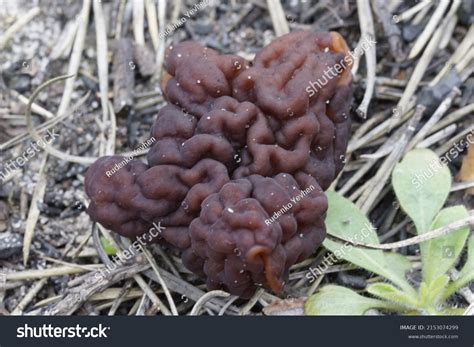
point(242, 155)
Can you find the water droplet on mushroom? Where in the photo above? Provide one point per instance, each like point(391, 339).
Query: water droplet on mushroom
point(177, 84)
point(241, 271)
point(230, 210)
point(208, 117)
point(198, 81)
point(327, 101)
point(218, 91)
point(247, 126)
point(249, 77)
point(301, 235)
point(179, 55)
point(326, 49)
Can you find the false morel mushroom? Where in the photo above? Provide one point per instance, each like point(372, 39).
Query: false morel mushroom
point(242, 155)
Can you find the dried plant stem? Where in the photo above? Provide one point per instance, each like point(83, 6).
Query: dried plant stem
point(367, 31)
point(138, 21)
point(34, 212)
point(47, 147)
point(20, 23)
point(412, 11)
point(102, 68)
point(154, 266)
point(209, 295)
point(280, 25)
point(440, 111)
point(34, 107)
point(43, 273)
point(29, 297)
point(429, 29)
point(440, 232)
point(152, 23)
point(75, 60)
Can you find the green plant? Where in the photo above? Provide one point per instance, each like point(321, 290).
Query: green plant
point(422, 200)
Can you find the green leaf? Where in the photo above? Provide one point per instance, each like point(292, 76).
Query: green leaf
point(108, 248)
point(467, 273)
point(468, 268)
point(440, 254)
point(422, 185)
point(345, 220)
point(390, 293)
point(433, 293)
point(337, 300)
point(398, 263)
point(453, 311)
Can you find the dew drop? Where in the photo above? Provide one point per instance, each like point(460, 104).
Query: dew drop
point(198, 81)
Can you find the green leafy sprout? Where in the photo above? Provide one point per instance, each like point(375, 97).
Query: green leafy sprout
point(421, 186)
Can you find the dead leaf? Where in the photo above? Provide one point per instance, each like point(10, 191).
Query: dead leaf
point(466, 174)
point(287, 307)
